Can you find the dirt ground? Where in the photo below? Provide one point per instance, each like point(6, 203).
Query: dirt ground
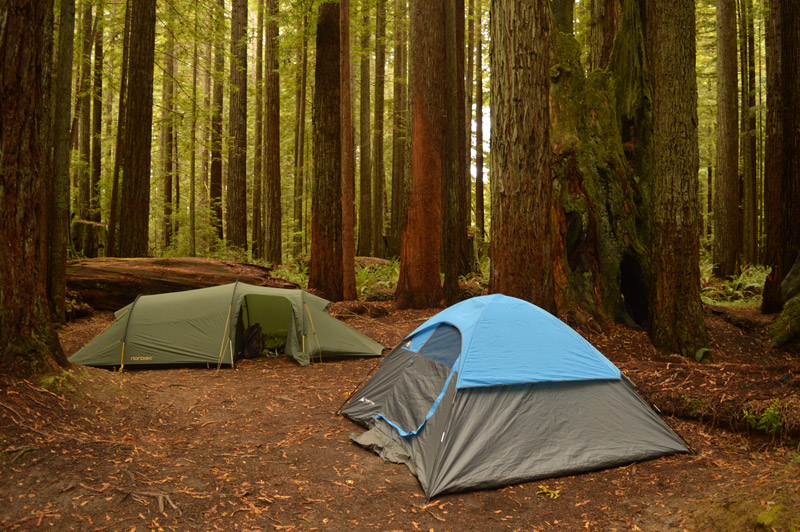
point(260, 447)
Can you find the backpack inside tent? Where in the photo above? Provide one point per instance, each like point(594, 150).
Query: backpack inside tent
point(495, 391)
point(209, 326)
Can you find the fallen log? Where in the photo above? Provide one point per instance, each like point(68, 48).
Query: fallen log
point(111, 283)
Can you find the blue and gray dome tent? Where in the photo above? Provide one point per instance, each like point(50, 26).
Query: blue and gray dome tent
point(494, 391)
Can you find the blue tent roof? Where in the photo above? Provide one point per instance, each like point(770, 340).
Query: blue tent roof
point(505, 340)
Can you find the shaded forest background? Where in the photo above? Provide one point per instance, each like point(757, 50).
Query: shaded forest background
point(643, 153)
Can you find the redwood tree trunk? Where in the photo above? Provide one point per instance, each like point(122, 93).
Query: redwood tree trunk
point(772, 300)
point(236, 214)
point(299, 141)
point(727, 233)
point(135, 216)
point(167, 132)
point(419, 285)
point(97, 123)
point(272, 125)
point(27, 341)
point(378, 183)
point(605, 17)
point(325, 268)
point(257, 238)
point(563, 14)
point(85, 118)
point(348, 157)
point(479, 202)
point(365, 219)
point(521, 152)
point(398, 130)
point(676, 323)
point(215, 178)
point(59, 217)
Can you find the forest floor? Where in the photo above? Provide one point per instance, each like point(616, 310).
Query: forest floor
point(260, 447)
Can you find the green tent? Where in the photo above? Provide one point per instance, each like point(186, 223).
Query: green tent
point(207, 326)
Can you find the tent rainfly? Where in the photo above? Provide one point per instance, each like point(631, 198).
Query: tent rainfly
point(495, 391)
point(207, 326)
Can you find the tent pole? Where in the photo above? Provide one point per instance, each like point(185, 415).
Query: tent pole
point(125, 334)
point(225, 332)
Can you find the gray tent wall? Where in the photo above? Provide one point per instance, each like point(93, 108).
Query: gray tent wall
point(494, 436)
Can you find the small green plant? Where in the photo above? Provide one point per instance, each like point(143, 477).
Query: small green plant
point(295, 271)
point(739, 290)
point(547, 492)
point(377, 281)
point(698, 406)
point(58, 383)
point(769, 421)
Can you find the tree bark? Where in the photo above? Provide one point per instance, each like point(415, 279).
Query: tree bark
point(751, 170)
point(348, 156)
point(258, 238)
point(748, 186)
point(119, 154)
point(272, 123)
point(85, 120)
point(771, 300)
point(790, 141)
point(236, 213)
point(398, 129)
point(215, 179)
point(97, 123)
point(563, 15)
point(59, 217)
point(27, 340)
point(605, 16)
point(365, 217)
point(676, 323)
point(193, 150)
point(521, 152)
point(135, 216)
point(299, 141)
point(479, 200)
point(419, 285)
point(378, 181)
point(727, 234)
point(167, 129)
point(455, 203)
point(325, 268)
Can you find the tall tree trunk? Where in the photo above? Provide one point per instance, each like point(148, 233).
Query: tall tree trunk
point(236, 213)
point(135, 215)
point(325, 268)
point(748, 191)
point(167, 128)
point(419, 285)
point(752, 134)
point(348, 157)
point(193, 149)
point(604, 25)
point(378, 184)
point(790, 141)
point(521, 172)
point(85, 119)
point(479, 203)
point(727, 235)
point(299, 141)
point(709, 200)
point(59, 213)
point(454, 200)
point(772, 299)
point(116, 206)
point(215, 178)
point(676, 323)
point(27, 341)
point(398, 130)
point(563, 15)
point(97, 124)
point(470, 79)
point(272, 123)
point(257, 240)
point(365, 217)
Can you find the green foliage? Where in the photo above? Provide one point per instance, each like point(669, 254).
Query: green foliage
point(377, 282)
point(742, 290)
point(769, 421)
point(58, 383)
point(698, 406)
point(295, 271)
